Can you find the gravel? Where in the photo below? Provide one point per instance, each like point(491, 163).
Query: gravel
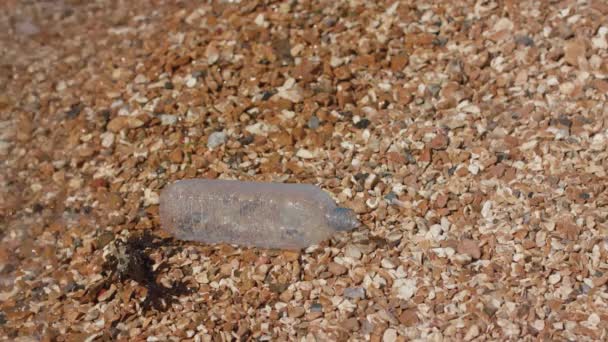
point(469, 136)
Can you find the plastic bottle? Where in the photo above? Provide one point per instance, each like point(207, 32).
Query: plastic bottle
point(268, 215)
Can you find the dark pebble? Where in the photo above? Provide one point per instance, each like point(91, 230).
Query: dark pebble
point(246, 140)
point(434, 89)
point(362, 124)
point(565, 121)
point(500, 156)
point(390, 196)
point(266, 95)
point(524, 40)
point(37, 208)
point(410, 158)
point(316, 307)
point(74, 111)
point(361, 176)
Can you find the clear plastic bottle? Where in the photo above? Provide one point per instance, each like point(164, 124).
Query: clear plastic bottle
point(268, 215)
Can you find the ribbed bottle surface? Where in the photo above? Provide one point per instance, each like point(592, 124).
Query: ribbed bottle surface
point(269, 215)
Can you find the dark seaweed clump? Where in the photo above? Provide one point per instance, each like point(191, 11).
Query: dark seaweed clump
point(133, 262)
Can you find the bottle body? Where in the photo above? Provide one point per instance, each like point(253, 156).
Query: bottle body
point(269, 215)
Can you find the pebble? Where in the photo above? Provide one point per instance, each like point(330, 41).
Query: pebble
point(167, 119)
point(554, 278)
point(472, 333)
point(190, 81)
point(574, 52)
point(261, 128)
point(440, 142)
point(405, 288)
point(390, 335)
point(350, 324)
point(150, 197)
point(290, 91)
point(139, 79)
point(73, 111)
point(354, 292)
point(176, 156)
point(313, 122)
point(524, 40)
point(599, 41)
point(336, 269)
point(362, 124)
point(316, 307)
point(352, 251)
point(470, 248)
point(124, 122)
point(305, 154)
point(296, 312)
point(107, 139)
point(213, 55)
point(216, 139)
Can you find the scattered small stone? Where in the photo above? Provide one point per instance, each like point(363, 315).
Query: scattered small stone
point(305, 154)
point(213, 54)
point(555, 278)
point(337, 269)
point(267, 95)
point(405, 288)
point(107, 139)
point(190, 82)
point(470, 248)
point(104, 239)
point(74, 111)
point(246, 140)
point(313, 122)
point(354, 292)
point(472, 333)
point(352, 251)
point(316, 307)
point(351, 324)
point(37, 208)
point(574, 52)
point(216, 139)
point(176, 156)
point(390, 335)
point(124, 122)
point(524, 40)
point(362, 124)
point(167, 119)
point(440, 142)
point(290, 91)
point(296, 312)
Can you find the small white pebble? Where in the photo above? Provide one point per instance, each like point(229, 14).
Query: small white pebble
point(304, 153)
point(190, 82)
point(216, 139)
point(107, 139)
point(554, 278)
